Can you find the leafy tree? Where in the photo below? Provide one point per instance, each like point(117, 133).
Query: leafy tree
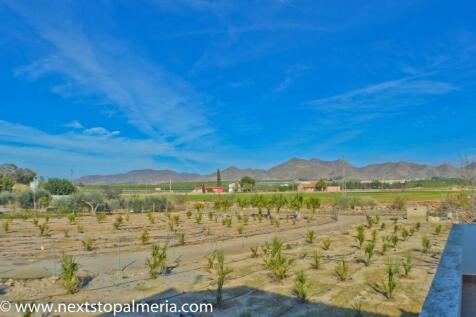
point(93, 200)
point(23, 176)
point(297, 202)
point(59, 186)
point(313, 203)
point(218, 178)
point(17, 175)
point(6, 183)
point(279, 201)
point(321, 185)
point(111, 192)
point(247, 183)
point(154, 203)
point(26, 199)
point(6, 198)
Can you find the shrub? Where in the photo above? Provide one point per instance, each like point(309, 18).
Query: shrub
point(382, 226)
point(58, 186)
point(254, 252)
point(396, 228)
point(399, 203)
point(316, 260)
point(189, 214)
point(181, 237)
point(101, 216)
point(144, 236)
point(157, 261)
point(370, 221)
point(393, 240)
point(426, 244)
point(369, 252)
point(222, 272)
point(69, 268)
point(211, 261)
point(384, 247)
point(151, 217)
point(438, 229)
point(417, 226)
point(326, 243)
point(275, 261)
point(6, 226)
point(239, 229)
point(357, 308)
point(80, 228)
point(342, 270)
point(377, 219)
point(118, 222)
point(71, 218)
point(87, 243)
point(390, 284)
point(360, 236)
point(210, 216)
point(404, 232)
point(43, 227)
point(310, 236)
point(301, 286)
point(374, 236)
point(198, 207)
point(407, 263)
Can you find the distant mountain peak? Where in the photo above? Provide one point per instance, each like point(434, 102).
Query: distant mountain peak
point(292, 169)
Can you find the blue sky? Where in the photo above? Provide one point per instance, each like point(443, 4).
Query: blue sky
point(109, 86)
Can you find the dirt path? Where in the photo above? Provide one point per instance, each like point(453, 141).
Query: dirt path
point(106, 263)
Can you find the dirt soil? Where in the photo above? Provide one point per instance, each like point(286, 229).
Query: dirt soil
point(114, 271)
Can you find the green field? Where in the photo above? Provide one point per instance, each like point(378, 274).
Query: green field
point(383, 196)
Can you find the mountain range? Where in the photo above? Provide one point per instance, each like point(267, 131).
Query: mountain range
point(293, 169)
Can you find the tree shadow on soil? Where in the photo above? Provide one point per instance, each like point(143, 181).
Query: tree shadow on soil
point(250, 302)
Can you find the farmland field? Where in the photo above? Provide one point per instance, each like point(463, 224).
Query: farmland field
point(115, 263)
point(382, 196)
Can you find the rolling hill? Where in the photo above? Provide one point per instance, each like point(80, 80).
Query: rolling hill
point(292, 169)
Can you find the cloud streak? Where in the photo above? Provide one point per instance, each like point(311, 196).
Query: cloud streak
point(385, 94)
point(376, 101)
point(84, 150)
point(155, 102)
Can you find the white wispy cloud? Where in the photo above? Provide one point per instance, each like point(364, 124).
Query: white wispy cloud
point(160, 105)
point(75, 124)
point(100, 131)
point(86, 151)
point(401, 92)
